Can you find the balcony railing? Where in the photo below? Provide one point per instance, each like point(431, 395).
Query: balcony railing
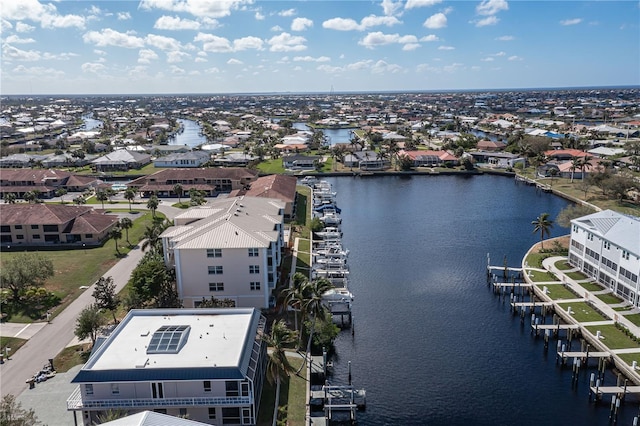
point(75, 402)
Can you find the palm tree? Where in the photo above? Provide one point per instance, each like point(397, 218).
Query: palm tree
point(151, 236)
point(313, 305)
point(126, 224)
point(130, 195)
point(177, 189)
point(152, 204)
point(116, 234)
point(543, 225)
point(292, 296)
point(101, 195)
point(60, 192)
point(30, 197)
point(278, 364)
point(576, 162)
point(9, 198)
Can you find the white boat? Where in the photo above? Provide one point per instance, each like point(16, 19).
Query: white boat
point(338, 295)
point(332, 251)
point(309, 180)
point(330, 218)
point(329, 234)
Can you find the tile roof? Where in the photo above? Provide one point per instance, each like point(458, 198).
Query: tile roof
point(78, 219)
point(274, 186)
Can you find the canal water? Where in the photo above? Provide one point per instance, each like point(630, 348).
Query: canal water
point(190, 134)
point(432, 344)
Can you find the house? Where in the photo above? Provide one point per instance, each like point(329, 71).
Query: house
point(606, 247)
point(45, 182)
point(281, 187)
point(565, 154)
point(234, 159)
point(497, 159)
point(151, 418)
point(211, 181)
point(300, 162)
point(207, 364)
point(230, 249)
point(49, 224)
point(183, 159)
point(16, 161)
point(121, 159)
point(366, 160)
point(489, 145)
point(430, 158)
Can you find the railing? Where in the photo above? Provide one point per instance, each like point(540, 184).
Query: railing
point(75, 402)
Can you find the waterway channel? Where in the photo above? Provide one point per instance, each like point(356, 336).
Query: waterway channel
point(432, 344)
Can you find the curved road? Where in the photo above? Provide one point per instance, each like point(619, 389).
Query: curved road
point(54, 337)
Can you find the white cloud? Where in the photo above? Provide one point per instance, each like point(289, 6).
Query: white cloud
point(162, 42)
point(259, 16)
point(420, 3)
point(14, 39)
point(446, 48)
point(199, 8)
point(429, 38)
point(301, 24)
point(574, 21)
point(175, 23)
point(360, 65)
point(311, 59)
point(286, 13)
point(372, 40)
point(6, 25)
point(109, 37)
point(177, 56)
point(145, 56)
point(489, 20)
point(45, 14)
point(234, 61)
point(499, 54)
point(410, 46)
point(276, 29)
point(348, 24)
point(439, 20)
point(246, 43)
point(491, 7)
point(505, 38)
point(212, 70)
point(199, 60)
point(389, 7)
point(123, 16)
point(13, 53)
point(99, 52)
point(488, 59)
point(285, 42)
point(92, 67)
point(176, 70)
point(21, 27)
point(382, 67)
point(212, 43)
point(515, 58)
point(45, 73)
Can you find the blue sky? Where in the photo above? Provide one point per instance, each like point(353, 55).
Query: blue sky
point(244, 46)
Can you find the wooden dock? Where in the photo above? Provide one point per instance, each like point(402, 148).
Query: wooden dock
point(598, 391)
point(554, 327)
point(579, 354)
point(530, 304)
point(510, 285)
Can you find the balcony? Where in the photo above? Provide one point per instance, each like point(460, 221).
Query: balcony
point(75, 402)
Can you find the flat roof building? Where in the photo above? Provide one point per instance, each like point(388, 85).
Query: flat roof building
point(207, 364)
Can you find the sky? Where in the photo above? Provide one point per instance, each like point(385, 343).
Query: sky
point(322, 46)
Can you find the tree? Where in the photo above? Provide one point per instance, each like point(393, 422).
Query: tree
point(89, 323)
point(30, 197)
point(9, 198)
point(79, 200)
point(152, 234)
point(543, 225)
point(314, 306)
point(278, 364)
point(101, 195)
point(292, 296)
point(178, 190)
point(576, 163)
point(130, 195)
point(116, 234)
point(23, 271)
point(106, 296)
point(126, 224)
point(12, 413)
point(572, 211)
point(60, 192)
point(152, 204)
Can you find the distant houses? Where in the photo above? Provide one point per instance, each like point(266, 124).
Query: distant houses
point(121, 160)
point(44, 182)
point(183, 159)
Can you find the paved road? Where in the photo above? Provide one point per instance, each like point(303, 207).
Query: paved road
point(54, 337)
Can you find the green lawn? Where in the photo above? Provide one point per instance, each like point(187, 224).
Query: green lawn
point(11, 342)
point(70, 357)
point(563, 265)
point(613, 337)
point(534, 260)
point(629, 358)
point(591, 286)
point(582, 312)
point(635, 319)
point(271, 166)
point(292, 398)
point(82, 267)
point(609, 299)
point(539, 276)
point(577, 276)
point(558, 291)
point(304, 245)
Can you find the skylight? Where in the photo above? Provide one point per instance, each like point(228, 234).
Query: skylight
point(168, 339)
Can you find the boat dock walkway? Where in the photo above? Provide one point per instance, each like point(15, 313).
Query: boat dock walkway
point(598, 391)
point(580, 354)
point(554, 327)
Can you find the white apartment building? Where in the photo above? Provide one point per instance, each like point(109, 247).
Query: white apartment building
point(207, 364)
point(606, 247)
point(230, 249)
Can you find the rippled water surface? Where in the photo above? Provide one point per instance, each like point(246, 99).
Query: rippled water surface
point(432, 344)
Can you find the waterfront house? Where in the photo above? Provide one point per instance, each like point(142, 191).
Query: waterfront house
point(430, 158)
point(207, 364)
point(121, 160)
point(39, 224)
point(606, 247)
point(234, 159)
point(183, 159)
point(44, 181)
point(300, 162)
point(211, 181)
point(230, 249)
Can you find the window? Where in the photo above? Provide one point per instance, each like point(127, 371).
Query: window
point(607, 245)
point(230, 415)
point(254, 269)
point(34, 227)
point(590, 236)
point(20, 237)
point(254, 252)
point(214, 252)
point(254, 285)
point(115, 389)
point(216, 286)
point(245, 388)
point(168, 339)
point(50, 228)
point(36, 236)
point(18, 227)
point(7, 228)
point(625, 254)
point(183, 412)
point(88, 236)
point(157, 391)
point(88, 389)
point(215, 270)
point(212, 413)
point(232, 388)
point(207, 385)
